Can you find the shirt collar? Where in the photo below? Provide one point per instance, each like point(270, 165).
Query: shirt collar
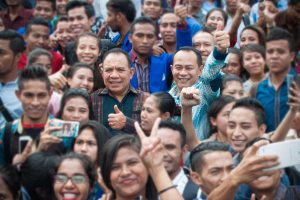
point(105, 91)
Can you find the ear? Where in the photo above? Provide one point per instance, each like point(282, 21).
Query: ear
point(131, 72)
point(130, 37)
point(196, 178)
point(262, 129)
point(200, 70)
point(165, 116)
point(213, 121)
point(101, 68)
point(184, 150)
point(18, 94)
point(91, 21)
point(18, 57)
point(292, 54)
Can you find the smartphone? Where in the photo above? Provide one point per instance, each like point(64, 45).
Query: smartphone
point(68, 129)
point(23, 142)
point(288, 153)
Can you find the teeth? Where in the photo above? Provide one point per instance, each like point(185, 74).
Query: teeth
point(69, 195)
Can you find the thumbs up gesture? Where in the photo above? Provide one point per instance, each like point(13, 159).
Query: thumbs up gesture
point(221, 39)
point(117, 120)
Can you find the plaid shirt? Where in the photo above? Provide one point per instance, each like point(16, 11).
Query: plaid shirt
point(142, 72)
point(98, 106)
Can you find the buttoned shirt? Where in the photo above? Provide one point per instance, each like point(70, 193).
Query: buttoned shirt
point(20, 21)
point(142, 72)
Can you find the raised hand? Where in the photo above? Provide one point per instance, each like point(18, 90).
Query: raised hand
point(46, 138)
point(181, 11)
point(221, 39)
point(189, 97)
point(294, 97)
point(151, 151)
point(117, 120)
point(254, 166)
point(21, 157)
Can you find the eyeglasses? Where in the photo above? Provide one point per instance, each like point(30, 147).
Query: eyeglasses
point(76, 179)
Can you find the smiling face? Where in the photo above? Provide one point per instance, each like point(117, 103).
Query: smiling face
point(116, 73)
point(79, 21)
point(185, 69)
point(215, 18)
point(87, 50)
point(44, 9)
point(204, 42)
point(34, 97)
point(128, 174)
point(243, 128)
point(76, 109)
point(70, 190)
point(83, 78)
point(254, 63)
point(64, 33)
point(249, 36)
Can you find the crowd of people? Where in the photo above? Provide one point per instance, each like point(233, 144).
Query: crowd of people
point(174, 99)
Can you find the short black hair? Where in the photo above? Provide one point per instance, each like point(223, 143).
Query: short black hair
point(191, 49)
point(125, 7)
point(89, 9)
point(11, 179)
point(117, 51)
point(228, 78)
point(36, 21)
point(198, 153)
point(277, 33)
point(253, 105)
point(74, 68)
point(171, 124)
point(34, 73)
point(16, 41)
point(142, 20)
point(254, 48)
point(53, 3)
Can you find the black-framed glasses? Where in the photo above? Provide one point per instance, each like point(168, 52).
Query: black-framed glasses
point(76, 179)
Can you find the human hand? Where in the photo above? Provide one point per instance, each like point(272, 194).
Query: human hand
point(53, 40)
point(243, 8)
point(189, 97)
point(294, 97)
point(46, 139)
point(181, 11)
point(106, 190)
point(102, 30)
point(21, 157)
point(157, 50)
point(254, 166)
point(221, 39)
point(253, 197)
point(152, 150)
point(117, 120)
point(58, 80)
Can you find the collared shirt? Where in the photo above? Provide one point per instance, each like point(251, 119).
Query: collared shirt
point(180, 180)
point(10, 100)
point(142, 72)
point(210, 75)
point(20, 21)
point(274, 101)
point(131, 106)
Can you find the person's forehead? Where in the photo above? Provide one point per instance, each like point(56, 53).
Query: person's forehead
point(168, 134)
point(154, 1)
point(115, 58)
point(144, 28)
point(77, 11)
point(218, 159)
point(34, 86)
point(4, 44)
point(242, 115)
point(203, 37)
point(189, 56)
point(168, 17)
point(283, 44)
point(36, 28)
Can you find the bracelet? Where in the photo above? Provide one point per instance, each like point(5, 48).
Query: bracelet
point(166, 189)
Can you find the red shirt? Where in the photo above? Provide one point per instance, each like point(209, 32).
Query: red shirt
point(20, 21)
point(57, 61)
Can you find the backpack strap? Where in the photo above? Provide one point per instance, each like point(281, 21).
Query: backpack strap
point(190, 191)
point(5, 112)
point(7, 140)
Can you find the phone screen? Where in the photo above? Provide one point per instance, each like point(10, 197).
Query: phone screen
point(22, 145)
